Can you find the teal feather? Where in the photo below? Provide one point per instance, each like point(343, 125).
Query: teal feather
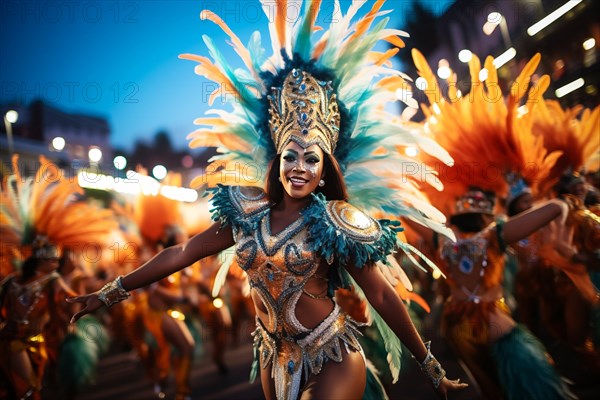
point(523, 368)
point(393, 346)
point(256, 356)
point(79, 353)
point(374, 389)
point(224, 211)
point(352, 58)
point(248, 99)
point(257, 51)
point(195, 329)
point(91, 328)
point(303, 39)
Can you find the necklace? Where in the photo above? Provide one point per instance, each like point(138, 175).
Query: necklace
point(31, 294)
point(320, 296)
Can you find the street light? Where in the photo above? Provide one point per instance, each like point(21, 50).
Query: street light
point(10, 118)
point(493, 20)
point(95, 154)
point(120, 162)
point(58, 143)
point(465, 55)
point(159, 172)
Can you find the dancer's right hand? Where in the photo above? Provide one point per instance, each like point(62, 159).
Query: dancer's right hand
point(91, 302)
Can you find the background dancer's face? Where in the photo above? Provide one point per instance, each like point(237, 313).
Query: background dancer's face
point(300, 169)
point(522, 203)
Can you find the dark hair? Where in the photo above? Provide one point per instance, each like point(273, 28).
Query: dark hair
point(170, 237)
point(469, 222)
point(334, 189)
point(29, 267)
point(511, 210)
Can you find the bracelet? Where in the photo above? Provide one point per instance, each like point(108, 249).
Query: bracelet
point(113, 292)
point(432, 367)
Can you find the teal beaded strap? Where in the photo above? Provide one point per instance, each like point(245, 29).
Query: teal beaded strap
point(432, 368)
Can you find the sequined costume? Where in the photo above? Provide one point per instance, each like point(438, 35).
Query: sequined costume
point(25, 313)
point(279, 265)
point(504, 358)
point(466, 315)
point(40, 215)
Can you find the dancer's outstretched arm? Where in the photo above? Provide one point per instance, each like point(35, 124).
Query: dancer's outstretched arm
point(172, 259)
point(390, 307)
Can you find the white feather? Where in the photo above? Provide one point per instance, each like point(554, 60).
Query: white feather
point(226, 258)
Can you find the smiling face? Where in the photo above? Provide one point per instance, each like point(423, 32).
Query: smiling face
point(300, 169)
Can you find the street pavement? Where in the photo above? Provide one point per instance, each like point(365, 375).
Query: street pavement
point(121, 376)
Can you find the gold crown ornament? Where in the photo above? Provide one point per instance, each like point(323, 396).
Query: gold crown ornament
point(474, 201)
point(304, 110)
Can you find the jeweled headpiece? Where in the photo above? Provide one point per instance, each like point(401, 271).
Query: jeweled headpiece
point(568, 179)
point(474, 201)
point(304, 110)
point(44, 249)
point(517, 188)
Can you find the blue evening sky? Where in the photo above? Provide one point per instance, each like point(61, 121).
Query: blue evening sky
point(118, 59)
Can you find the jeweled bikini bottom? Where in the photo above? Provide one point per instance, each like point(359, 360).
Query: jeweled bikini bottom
point(294, 359)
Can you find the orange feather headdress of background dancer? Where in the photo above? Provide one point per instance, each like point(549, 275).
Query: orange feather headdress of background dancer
point(52, 206)
point(573, 131)
point(488, 133)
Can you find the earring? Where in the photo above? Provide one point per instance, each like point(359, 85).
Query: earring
point(321, 183)
point(279, 178)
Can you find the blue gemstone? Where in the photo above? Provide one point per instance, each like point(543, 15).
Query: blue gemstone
point(466, 265)
point(291, 367)
point(304, 132)
point(270, 276)
point(295, 72)
point(304, 116)
point(303, 86)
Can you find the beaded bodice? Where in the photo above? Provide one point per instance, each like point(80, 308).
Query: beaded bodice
point(474, 263)
point(527, 251)
point(27, 303)
point(278, 266)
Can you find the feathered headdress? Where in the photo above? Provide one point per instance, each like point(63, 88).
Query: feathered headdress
point(350, 83)
point(574, 132)
point(488, 133)
point(48, 211)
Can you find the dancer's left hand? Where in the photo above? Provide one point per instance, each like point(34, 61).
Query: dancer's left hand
point(447, 385)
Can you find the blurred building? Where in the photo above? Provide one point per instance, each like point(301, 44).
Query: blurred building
point(566, 33)
point(71, 140)
point(74, 141)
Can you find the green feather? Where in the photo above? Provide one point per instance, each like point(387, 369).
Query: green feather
point(393, 346)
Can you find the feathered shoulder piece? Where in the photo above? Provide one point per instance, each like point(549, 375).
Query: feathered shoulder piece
point(488, 133)
point(324, 85)
point(239, 206)
point(340, 231)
